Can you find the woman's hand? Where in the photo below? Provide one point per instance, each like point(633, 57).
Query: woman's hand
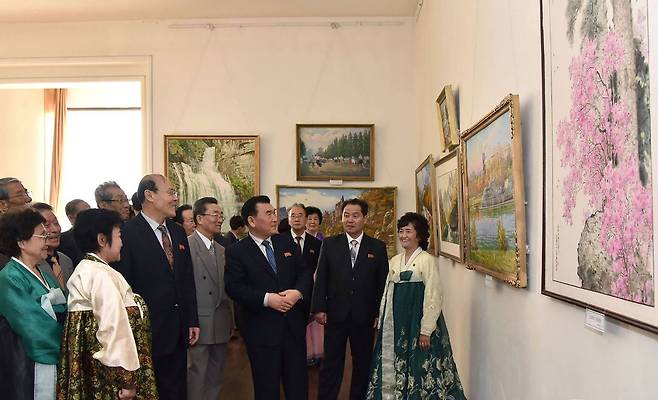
point(127, 394)
point(424, 342)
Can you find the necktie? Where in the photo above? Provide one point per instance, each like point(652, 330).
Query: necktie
point(299, 244)
point(353, 252)
point(57, 270)
point(166, 244)
point(270, 255)
point(212, 249)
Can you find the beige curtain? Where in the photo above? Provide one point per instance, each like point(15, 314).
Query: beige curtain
point(55, 110)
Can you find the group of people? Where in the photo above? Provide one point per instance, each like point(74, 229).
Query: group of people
point(138, 301)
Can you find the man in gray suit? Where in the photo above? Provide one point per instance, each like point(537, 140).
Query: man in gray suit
point(58, 264)
point(205, 375)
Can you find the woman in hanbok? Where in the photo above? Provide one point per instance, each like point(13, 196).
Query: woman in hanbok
point(106, 346)
point(413, 357)
point(32, 310)
point(314, 331)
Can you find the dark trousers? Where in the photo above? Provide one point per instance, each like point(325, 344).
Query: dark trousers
point(271, 365)
point(331, 373)
point(171, 373)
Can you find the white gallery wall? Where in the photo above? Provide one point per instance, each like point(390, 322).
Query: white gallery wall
point(259, 80)
point(516, 344)
point(21, 134)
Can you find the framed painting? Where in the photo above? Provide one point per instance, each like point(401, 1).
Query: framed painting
point(425, 198)
point(381, 221)
point(599, 196)
point(494, 198)
point(446, 112)
point(340, 152)
point(450, 215)
point(224, 167)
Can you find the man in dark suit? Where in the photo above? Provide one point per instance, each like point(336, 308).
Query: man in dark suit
point(266, 275)
point(67, 243)
point(237, 229)
point(57, 264)
point(308, 245)
point(156, 262)
point(350, 280)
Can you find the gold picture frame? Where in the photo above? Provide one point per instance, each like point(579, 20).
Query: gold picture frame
point(335, 152)
point(447, 117)
point(381, 222)
point(494, 196)
point(449, 217)
point(426, 198)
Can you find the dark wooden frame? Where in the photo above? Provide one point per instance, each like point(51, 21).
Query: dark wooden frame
point(371, 175)
point(545, 204)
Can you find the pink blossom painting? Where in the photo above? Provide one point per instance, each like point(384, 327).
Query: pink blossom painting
point(599, 223)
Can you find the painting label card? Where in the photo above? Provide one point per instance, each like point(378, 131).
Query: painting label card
point(595, 320)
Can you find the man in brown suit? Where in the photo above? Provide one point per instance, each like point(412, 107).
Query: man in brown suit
point(205, 375)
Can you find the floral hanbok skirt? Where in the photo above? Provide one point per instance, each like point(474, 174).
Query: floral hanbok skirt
point(81, 377)
point(401, 370)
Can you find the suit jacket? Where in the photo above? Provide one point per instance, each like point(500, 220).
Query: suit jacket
point(310, 253)
point(68, 246)
point(67, 268)
point(230, 238)
point(213, 304)
point(249, 276)
point(169, 295)
point(342, 291)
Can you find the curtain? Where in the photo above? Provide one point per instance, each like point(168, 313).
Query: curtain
point(55, 110)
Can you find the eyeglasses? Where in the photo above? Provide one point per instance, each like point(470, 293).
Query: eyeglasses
point(121, 200)
point(170, 192)
point(22, 193)
point(45, 236)
point(215, 216)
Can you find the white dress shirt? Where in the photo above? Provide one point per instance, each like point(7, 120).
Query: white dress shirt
point(302, 241)
point(154, 225)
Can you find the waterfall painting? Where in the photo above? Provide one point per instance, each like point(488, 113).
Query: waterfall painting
point(381, 220)
point(449, 216)
point(224, 167)
point(425, 201)
point(494, 198)
point(335, 152)
point(446, 112)
point(599, 225)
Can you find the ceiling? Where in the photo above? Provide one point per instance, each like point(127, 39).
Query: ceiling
point(17, 11)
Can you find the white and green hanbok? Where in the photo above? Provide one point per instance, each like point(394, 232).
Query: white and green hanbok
point(411, 306)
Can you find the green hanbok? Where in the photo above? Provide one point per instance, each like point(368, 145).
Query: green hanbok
point(33, 306)
point(411, 306)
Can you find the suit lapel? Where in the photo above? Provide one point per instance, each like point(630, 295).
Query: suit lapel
point(156, 247)
point(259, 257)
point(363, 252)
point(206, 257)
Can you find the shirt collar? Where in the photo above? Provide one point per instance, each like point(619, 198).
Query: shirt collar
point(349, 239)
point(258, 241)
point(294, 236)
point(154, 225)
point(207, 242)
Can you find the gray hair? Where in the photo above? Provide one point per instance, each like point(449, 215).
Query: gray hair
point(101, 193)
point(4, 193)
point(302, 206)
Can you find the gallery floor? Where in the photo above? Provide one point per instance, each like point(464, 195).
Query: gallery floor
point(237, 375)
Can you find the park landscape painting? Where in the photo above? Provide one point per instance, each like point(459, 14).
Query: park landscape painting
point(335, 152)
point(381, 220)
point(494, 200)
point(224, 167)
point(599, 247)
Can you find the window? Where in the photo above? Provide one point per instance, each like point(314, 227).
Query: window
point(103, 141)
